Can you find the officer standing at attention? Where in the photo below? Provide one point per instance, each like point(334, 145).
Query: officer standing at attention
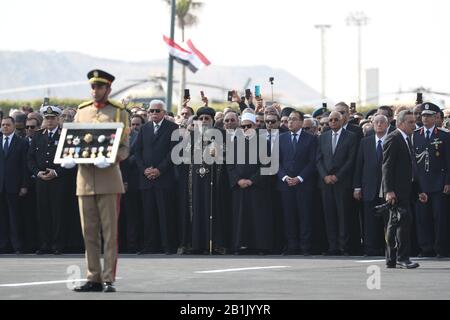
point(50, 180)
point(432, 148)
point(99, 187)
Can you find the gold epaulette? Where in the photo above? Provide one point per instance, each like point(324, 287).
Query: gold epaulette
point(85, 104)
point(116, 104)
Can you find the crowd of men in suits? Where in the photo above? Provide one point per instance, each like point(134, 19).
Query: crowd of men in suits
point(334, 167)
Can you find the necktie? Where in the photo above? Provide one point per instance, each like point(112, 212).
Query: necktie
point(269, 144)
point(6, 146)
point(50, 135)
point(294, 141)
point(413, 158)
point(156, 128)
point(334, 142)
point(379, 152)
point(428, 135)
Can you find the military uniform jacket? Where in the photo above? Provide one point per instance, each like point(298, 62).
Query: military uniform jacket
point(433, 159)
point(90, 179)
point(41, 152)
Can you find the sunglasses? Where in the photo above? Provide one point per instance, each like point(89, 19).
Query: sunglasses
point(154, 110)
point(246, 126)
point(333, 120)
point(271, 121)
point(230, 120)
point(30, 127)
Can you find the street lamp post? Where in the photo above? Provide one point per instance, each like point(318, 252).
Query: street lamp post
point(170, 68)
point(323, 28)
point(358, 19)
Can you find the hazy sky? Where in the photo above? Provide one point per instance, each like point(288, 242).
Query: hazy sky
point(407, 40)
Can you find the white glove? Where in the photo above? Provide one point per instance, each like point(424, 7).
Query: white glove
point(68, 163)
point(101, 163)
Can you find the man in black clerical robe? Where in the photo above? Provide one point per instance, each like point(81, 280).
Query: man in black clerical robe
point(204, 211)
point(252, 220)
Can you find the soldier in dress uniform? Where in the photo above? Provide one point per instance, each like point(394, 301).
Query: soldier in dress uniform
point(432, 148)
point(50, 179)
point(99, 187)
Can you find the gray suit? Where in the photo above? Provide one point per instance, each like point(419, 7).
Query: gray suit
point(337, 197)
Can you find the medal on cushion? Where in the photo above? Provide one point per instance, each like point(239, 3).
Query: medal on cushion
point(85, 153)
point(88, 138)
point(66, 152)
point(93, 152)
point(76, 141)
point(77, 152)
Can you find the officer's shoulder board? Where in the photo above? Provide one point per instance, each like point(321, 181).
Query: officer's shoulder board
point(116, 104)
point(444, 130)
point(85, 104)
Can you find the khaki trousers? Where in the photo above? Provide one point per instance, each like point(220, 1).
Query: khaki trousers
point(100, 213)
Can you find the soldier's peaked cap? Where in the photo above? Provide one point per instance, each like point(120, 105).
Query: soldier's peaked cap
point(429, 108)
point(51, 111)
point(100, 76)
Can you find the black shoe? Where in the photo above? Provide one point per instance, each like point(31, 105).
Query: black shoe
point(332, 253)
point(289, 252)
point(43, 251)
point(344, 253)
point(407, 264)
point(109, 287)
point(57, 252)
point(426, 254)
point(390, 266)
point(89, 287)
point(306, 253)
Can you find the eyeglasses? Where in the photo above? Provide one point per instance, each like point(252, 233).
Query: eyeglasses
point(230, 120)
point(30, 127)
point(154, 110)
point(333, 119)
point(271, 121)
point(246, 126)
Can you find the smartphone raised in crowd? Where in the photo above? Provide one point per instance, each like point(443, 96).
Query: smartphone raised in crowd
point(257, 91)
point(248, 93)
point(230, 96)
point(187, 95)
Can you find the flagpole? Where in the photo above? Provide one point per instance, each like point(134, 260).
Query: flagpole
point(170, 68)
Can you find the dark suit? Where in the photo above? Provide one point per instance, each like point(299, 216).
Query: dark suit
point(12, 178)
point(397, 173)
point(433, 164)
point(337, 197)
point(297, 200)
point(49, 194)
point(154, 150)
point(132, 200)
point(368, 178)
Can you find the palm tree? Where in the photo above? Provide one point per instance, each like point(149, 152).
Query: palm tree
point(185, 19)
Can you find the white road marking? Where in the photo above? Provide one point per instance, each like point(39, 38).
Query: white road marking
point(42, 283)
point(242, 269)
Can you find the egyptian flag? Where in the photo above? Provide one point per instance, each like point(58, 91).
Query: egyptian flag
point(190, 57)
